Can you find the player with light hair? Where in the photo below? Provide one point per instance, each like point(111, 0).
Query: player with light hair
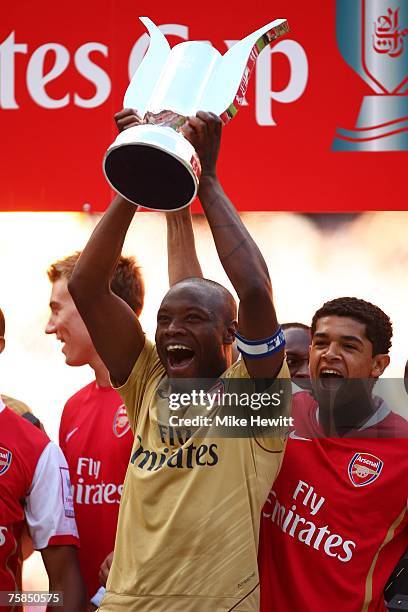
point(94, 432)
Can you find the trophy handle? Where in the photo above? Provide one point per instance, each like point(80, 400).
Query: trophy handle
point(143, 82)
point(230, 80)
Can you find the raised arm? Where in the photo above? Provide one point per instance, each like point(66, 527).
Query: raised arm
point(238, 253)
point(182, 257)
point(181, 252)
point(113, 326)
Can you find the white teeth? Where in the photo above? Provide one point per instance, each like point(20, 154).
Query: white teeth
point(326, 371)
point(177, 347)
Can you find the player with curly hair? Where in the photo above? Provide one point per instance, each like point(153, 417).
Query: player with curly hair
point(335, 523)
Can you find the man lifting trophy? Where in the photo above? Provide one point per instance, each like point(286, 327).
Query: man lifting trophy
point(152, 164)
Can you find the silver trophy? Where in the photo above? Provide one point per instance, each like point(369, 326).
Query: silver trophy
point(152, 164)
point(372, 36)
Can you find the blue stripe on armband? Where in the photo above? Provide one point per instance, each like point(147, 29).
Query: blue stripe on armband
point(256, 349)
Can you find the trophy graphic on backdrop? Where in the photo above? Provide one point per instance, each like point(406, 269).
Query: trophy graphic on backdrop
point(152, 164)
point(372, 36)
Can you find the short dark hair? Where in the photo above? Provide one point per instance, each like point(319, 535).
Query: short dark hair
point(2, 323)
point(127, 281)
point(226, 297)
point(378, 326)
point(296, 326)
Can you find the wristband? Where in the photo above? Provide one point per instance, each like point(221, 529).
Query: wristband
point(257, 349)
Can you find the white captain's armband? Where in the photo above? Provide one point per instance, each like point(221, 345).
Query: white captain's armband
point(256, 349)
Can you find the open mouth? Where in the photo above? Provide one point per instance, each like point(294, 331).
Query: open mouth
point(179, 357)
point(330, 379)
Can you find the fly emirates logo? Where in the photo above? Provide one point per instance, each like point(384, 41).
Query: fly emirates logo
point(186, 456)
point(90, 489)
point(308, 531)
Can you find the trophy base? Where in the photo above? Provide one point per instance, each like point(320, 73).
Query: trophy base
point(382, 125)
point(153, 166)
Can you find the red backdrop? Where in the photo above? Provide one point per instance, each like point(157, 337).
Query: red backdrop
point(64, 70)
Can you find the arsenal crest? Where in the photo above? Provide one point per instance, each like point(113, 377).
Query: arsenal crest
point(121, 424)
point(364, 468)
point(5, 459)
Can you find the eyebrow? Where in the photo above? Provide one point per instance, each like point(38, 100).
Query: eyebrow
point(189, 309)
point(201, 309)
point(349, 338)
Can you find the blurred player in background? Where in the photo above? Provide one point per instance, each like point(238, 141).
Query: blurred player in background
point(94, 432)
point(35, 489)
point(298, 339)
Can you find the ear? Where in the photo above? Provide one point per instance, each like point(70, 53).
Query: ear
point(229, 332)
point(2, 343)
point(380, 362)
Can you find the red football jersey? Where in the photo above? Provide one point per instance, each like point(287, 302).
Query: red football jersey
point(335, 523)
point(34, 487)
point(96, 439)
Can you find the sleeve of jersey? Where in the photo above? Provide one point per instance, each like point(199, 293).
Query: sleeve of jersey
point(49, 504)
point(146, 370)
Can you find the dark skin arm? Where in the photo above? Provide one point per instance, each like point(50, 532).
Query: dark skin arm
point(238, 253)
point(113, 326)
point(182, 257)
point(61, 563)
point(181, 252)
point(105, 569)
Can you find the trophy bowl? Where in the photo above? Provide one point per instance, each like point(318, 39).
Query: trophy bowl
point(152, 164)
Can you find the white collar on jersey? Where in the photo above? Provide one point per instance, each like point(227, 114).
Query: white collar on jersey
point(2, 405)
point(379, 415)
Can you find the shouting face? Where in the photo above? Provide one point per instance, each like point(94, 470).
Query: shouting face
point(193, 332)
point(340, 349)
